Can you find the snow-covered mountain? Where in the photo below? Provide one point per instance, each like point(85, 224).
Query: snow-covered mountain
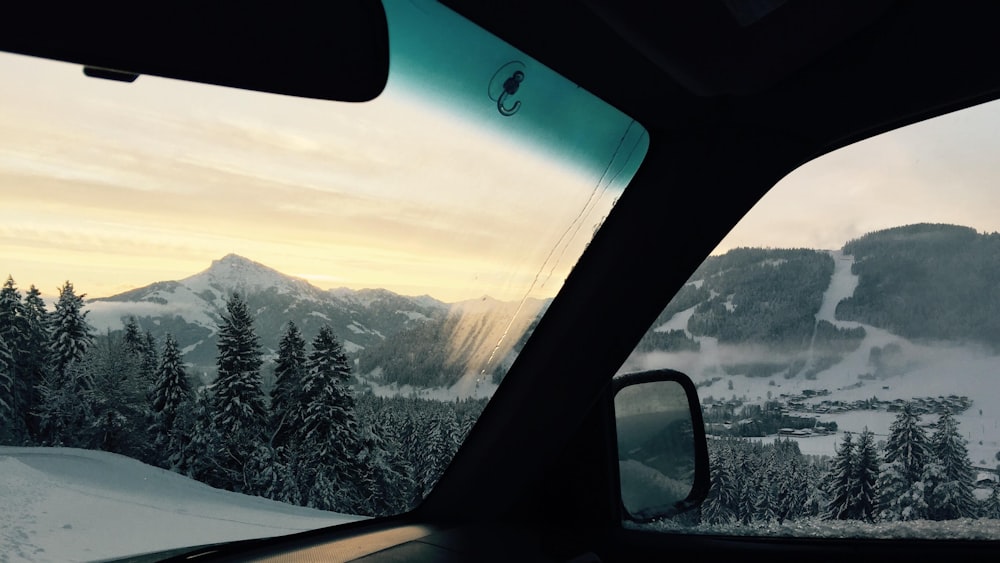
point(192, 308)
point(907, 314)
point(464, 343)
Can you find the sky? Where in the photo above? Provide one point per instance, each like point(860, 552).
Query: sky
point(122, 185)
point(117, 186)
point(943, 170)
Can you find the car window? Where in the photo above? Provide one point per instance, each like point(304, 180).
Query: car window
point(844, 340)
point(229, 314)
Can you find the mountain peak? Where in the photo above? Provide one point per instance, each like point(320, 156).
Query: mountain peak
point(235, 272)
point(236, 261)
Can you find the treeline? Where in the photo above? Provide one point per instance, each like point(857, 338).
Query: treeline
point(311, 441)
point(912, 476)
point(944, 283)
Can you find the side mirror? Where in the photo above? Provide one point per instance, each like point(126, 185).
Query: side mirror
point(662, 449)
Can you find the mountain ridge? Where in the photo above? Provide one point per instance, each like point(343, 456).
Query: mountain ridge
point(757, 297)
point(192, 308)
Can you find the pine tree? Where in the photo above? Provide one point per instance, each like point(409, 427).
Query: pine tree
point(149, 364)
point(286, 396)
point(899, 499)
point(35, 359)
point(991, 506)
point(71, 335)
point(65, 406)
point(170, 398)
point(238, 410)
point(720, 505)
point(908, 445)
point(118, 413)
point(141, 347)
point(951, 496)
point(65, 414)
point(865, 478)
point(764, 501)
point(900, 486)
point(385, 485)
point(133, 340)
point(439, 447)
point(329, 427)
point(8, 415)
point(12, 341)
point(199, 456)
point(840, 482)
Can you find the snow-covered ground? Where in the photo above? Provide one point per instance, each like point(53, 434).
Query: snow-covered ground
point(68, 504)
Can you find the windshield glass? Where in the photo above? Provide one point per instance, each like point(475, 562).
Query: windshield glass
point(232, 314)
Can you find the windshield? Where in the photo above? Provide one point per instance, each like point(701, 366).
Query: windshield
point(231, 314)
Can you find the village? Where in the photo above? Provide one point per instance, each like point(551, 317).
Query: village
point(797, 415)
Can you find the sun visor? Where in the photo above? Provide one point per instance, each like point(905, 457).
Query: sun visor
point(326, 50)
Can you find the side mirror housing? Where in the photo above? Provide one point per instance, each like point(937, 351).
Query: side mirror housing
point(662, 449)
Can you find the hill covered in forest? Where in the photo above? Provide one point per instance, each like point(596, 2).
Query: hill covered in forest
point(927, 282)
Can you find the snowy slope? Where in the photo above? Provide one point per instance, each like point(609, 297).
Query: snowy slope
point(67, 504)
point(932, 371)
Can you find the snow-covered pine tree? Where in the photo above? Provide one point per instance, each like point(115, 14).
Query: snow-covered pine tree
point(991, 506)
point(908, 444)
point(840, 481)
point(199, 457)
point(132, 339)
point(35, 359)
point(141, 347)
point(12, 340)
point(71, 334)
point(764, 503)
point(65, 406)
point(720, 505)
point(951, 496)
point(170, 399)
point(744, 472)
point(118, 416)
point(12, 316)
point(900, 486)
point(286, 395)
point(150, 362)
point(439, 446)
point(238, 410)
point(8, 416)
point(865, 477)
point(64, 409)
point(898, 498)
point(386, 486)
point(330, 475)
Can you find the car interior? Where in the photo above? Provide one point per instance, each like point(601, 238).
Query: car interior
point(734, 96)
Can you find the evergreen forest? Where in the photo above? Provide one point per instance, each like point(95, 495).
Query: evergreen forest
point(310, 441)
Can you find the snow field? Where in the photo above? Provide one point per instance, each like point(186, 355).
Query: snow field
point(68, 504)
